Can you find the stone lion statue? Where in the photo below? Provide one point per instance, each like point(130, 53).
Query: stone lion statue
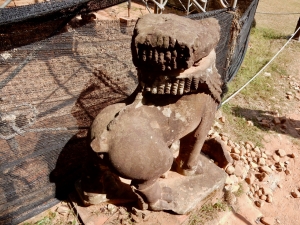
point(178, 94)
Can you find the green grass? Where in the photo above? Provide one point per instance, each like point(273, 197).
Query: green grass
point(261, 49)
point(259, 94)
point(206, 213)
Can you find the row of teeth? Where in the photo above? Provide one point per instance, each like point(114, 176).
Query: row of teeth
point(178, 87)
point(165, 61)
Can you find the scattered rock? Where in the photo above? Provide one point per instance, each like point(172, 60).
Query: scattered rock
point(230, 169)
point(228, 181)
point(250, 143)
point(287, 172)
point(250, 178)
point(258, 203)
point(276, 158)
point(291, 155)
point(112, 209)
point(281, 153)
point(267, 220)
point(267, 74)
point(261, 161)
point(253, 165)
point(235, 188)
point(236, 150)
point(222, 119)
point(262, 177)
point(276, 120)
point(240, 170)
point(295, 194)
point(234, 178)
point(250, 123)
point(235, 156)
point(263, 197)
point(269, 199)
point(265, 169)
point(265, 123)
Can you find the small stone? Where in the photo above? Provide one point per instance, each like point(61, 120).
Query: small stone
point(253, 165)
point(295, 194)
point(269, 199)
point(273, 167)
point(257, 150)
point(291, 155)
point(276, 158)
point(263, 155)
point(259, 204)
point(240, 170)
point(217, 125)
point(262, 177)
point(112, 209)
point(250, 143)
point(281, 153)
point(267, 220)
point(236, 150)
point(230, 169)
point(234, 178)
point(259, 192)
point(250, 123)
point(250, 178)
point(290, 97)
point(287, 172)
point(228, 181)
point(224, 138)
point(267, 74)
point(230, 143)
point(222, 119)
point(247, 146)
point(261, 161)
point(265, 169)
point(279, 185)
point(235, 156)
point(276, 120)
point(263, 197)
point(243, 151)
point(253, 154)
point(235, 187)
point(265, 123)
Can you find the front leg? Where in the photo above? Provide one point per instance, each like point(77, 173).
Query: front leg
point(187, 162)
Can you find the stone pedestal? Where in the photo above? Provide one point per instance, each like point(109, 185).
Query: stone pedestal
point(189, 192)
point(193, 191)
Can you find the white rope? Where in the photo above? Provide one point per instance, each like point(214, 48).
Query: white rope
point(239, 90)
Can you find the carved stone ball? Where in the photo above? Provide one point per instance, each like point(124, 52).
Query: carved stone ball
point(165, 42)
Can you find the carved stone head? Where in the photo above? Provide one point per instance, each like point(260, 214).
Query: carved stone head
point(175, 55)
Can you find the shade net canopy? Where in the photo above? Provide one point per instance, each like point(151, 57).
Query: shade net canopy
point(56, 73)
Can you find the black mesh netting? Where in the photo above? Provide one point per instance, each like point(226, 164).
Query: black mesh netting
point(54, 79)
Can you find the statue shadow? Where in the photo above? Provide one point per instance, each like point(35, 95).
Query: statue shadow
point(270, 121)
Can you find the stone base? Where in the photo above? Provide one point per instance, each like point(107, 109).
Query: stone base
point(189, 192)
point(193, 191)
